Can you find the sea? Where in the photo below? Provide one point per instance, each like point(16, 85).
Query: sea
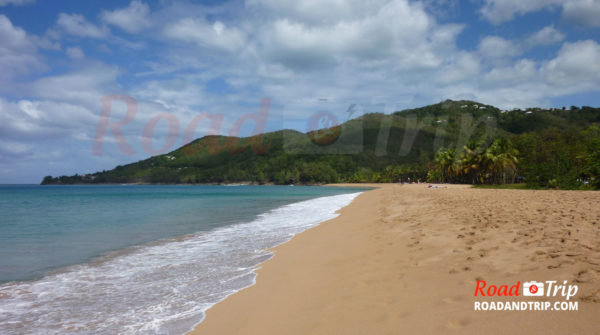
point(140, 259)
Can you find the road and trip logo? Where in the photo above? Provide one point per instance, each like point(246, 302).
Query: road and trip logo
point(540, 293)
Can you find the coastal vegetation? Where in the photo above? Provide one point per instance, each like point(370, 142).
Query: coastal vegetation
point(450, 142)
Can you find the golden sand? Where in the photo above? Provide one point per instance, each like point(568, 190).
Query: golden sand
point(404, 259)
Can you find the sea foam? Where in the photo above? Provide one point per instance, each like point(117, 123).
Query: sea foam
point(159, 288)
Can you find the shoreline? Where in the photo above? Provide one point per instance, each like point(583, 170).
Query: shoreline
point(98, 294)
point(273, 250)
point(404, 258)
point(368, 187)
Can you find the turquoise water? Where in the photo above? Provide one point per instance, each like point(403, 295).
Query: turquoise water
point(47, 227)
point(149, 259)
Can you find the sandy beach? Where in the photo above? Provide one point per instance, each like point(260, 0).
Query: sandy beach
point(405, 259)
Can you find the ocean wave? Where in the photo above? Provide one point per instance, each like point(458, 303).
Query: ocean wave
point(160, 288)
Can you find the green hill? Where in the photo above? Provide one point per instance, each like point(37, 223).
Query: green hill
point(383, 148)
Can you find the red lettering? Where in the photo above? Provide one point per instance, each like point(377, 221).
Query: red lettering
point(260, 122)
point(171, 136)
point(492, 290)
point(188, 136)
point(214, 143)
point(503, 290)
point(514, 290)
point(115, 128)
point(480, 289)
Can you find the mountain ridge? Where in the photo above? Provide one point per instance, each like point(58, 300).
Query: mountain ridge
point(362, 149)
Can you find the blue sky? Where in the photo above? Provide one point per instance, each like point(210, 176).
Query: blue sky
point(179, 59)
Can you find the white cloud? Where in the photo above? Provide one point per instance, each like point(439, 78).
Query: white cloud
point(398, 32)
point(496, 48)
point(393, 52)
point(173, 92)
point(15, 2)
point(21, 121)
point(29, 108)
point(45, 43)
point(216, 36)
point(546, 36)
point(527, 83)
point(18, 54)
point(499, 11)
point(465, 66)
point(580, 12)
point(318, 11)
point(13, 38)
point(76, 24)
point(61, 106)
point(442, 8)
point(583, 12)
point(86, 86)
point(133, 18)
point(13, 148)
point(523, 71)
point(75, 53)
point(36, 128)
point(52, 132)
point(577, 65)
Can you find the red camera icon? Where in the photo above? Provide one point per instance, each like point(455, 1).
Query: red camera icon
point(533, 289)
point(323, 128)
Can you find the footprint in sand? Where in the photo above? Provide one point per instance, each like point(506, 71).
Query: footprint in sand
point(453, 300)
point(457, 324)
point(594, 297)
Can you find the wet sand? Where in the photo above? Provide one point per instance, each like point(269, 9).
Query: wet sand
point(406, 259)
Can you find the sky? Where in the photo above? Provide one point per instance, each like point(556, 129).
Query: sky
point(88, 85)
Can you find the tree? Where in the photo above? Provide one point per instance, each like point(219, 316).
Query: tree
point(500, 161)
point(445, 159)
point(592, 168)
point(471, 162)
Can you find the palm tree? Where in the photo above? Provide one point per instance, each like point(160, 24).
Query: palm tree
point(471, 161)
point(497, 164)
point(447, 164)
point(500, 161)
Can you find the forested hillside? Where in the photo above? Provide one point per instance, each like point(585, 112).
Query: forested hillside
point(453, 141)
